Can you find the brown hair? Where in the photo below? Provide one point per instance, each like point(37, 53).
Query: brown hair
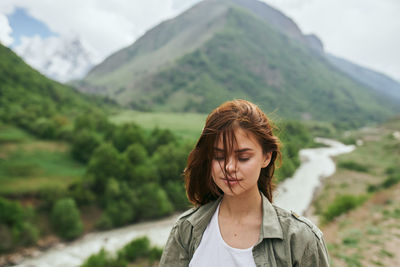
point(222, 122)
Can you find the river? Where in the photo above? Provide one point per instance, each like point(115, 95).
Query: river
point(295, 194)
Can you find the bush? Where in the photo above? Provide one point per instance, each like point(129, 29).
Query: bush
point(49, 195)
point(342, 204)
point(16, 227)
point(388, 182)
point(120, 203)
point(158, 138)
point(103, 259)
point(177, 194)
point(391, 180)
point(153, 202)
point(351, 165)
point(45, 128)
point(137, 175)
point(81, 193)
point(170, 160)
point(138, 248)
point(126, 135)
point(136, 154)
point(105, 163)
point(120, 212)
point(66, 219)
point(83, 145)
point(155, 254)
point(104, 223)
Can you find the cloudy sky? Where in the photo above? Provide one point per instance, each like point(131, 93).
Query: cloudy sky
point(363, 31)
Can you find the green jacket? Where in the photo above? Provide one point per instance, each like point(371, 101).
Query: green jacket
point(286, 239)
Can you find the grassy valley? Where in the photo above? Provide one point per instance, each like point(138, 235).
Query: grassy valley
point(359, 205)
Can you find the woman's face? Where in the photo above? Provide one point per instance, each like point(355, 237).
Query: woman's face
point(243, 165)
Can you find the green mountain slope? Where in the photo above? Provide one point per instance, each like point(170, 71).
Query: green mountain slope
point(32, 101)
point(243, 55)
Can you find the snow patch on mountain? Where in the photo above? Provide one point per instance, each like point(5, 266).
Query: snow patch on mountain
point(60, 58)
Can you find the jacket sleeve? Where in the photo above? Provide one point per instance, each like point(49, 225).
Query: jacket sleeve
point(175, 252)
point(315, 254)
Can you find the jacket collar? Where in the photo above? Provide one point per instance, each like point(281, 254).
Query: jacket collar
point(270, 228)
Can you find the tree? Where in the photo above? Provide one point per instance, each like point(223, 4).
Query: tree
point(105, 163)
point(136, 154)
point(153, 201)
point(159, 137)
point(127, 135)
point(66, 219)
point(170, 160)
point(83, 145)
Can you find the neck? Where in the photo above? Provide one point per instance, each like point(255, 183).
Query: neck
point(242, 206)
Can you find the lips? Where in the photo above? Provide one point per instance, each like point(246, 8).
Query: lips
point(231, 181)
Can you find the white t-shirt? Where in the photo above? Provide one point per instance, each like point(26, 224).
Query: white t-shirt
point(214, 252)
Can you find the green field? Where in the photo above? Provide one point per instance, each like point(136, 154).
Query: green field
point(27, 165)
point(187, 125)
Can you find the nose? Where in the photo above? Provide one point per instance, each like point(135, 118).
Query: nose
point(230, 165)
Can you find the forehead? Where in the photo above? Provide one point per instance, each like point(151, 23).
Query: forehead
point(242, 139)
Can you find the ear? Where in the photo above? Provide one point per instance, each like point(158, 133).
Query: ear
point(266, 159)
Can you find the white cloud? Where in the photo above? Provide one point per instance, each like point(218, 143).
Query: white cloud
point(106, 26)
point(5, 31)
point(61, 58)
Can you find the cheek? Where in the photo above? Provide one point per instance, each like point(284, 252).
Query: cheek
point(215, 168)
point(251, 168)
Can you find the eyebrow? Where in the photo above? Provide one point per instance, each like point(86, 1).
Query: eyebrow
point(237, 151)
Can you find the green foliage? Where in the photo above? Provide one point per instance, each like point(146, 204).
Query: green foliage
point(294, 136)
point(137, 248)
point(83, 145)
point(352, 238)
point(45, 128)
point(66, 219)
point(126, 135)
point(177, 194)
point(391, 180)
point(16, 225)
point(159, 137)
point(341, 205)
point(35, 103)
point(121, 203)
point(153, 202)
point(103, 259)
point(105, 163)
point(352, 165)
point(136, 154)
point(170, 160)
point(81, 193)
point(49, 195)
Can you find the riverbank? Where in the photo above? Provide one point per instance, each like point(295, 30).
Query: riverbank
point(369, 234)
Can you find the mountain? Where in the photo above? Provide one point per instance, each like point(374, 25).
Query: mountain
point(375, 80)
point(59, 58)
point(30, 100)
point(224, 49)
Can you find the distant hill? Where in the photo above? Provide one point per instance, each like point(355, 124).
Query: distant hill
point(381, 83)
point(30, 100)
point(224, 49)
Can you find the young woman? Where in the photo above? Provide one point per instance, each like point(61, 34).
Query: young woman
point(229, 180)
